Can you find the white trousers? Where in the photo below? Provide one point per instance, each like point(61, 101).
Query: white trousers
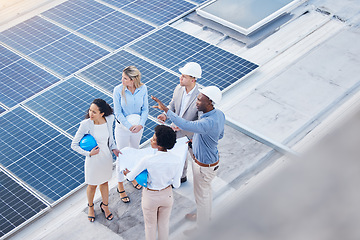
point(125, 138)
point(203, 177)
point(157, 208)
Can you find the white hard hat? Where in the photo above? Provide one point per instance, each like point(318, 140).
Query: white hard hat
point(191, 68)
point(213, 93)
point(133, 119)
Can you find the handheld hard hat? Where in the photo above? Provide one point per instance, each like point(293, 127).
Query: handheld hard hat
point(142, 178)
point(213, 93)
point(133, 119)
point(191, 68)
point(88, 142)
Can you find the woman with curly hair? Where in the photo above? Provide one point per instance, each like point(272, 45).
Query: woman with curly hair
point(98, 162)
point(164, 172)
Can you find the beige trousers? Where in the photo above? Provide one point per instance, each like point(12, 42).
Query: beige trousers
point(156, 206)
point(187, 159)
point(203, 177)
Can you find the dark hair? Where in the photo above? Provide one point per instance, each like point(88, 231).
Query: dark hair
point(103, 106)
point(165, 136)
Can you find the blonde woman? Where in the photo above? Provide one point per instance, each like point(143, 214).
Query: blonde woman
point(131, 109)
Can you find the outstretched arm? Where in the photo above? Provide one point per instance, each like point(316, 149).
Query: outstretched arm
point(160, 105)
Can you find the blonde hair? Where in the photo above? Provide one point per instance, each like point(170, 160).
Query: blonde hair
point(134, 74)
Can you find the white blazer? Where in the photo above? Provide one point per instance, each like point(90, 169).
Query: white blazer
point(87, 127)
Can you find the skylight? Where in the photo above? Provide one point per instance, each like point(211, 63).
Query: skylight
point(246, 16)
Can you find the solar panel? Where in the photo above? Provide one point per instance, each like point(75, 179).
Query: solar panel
point(65, 105)
point(161, 87)
point(118, 3)
point(148, 130)
point(158, 11)
point(21, 80)
point(52, 46)
point(220, 67)
point(39, 155)
point(76, 14)
point(7, 57)
point(17, 205)
point(2, 110)
point(98, 22)
point(108, 74)
point(199, 1)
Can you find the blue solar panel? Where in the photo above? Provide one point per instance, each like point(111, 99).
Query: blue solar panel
point(118, 3)
point(32, 35)
point(17, 205)
point(66, 104)
point(161, 87)
point(21, 80)
point(108, 74)
point(158, 11)
point(199, 1)
point(78, 13)
point(39, 155)
point(51, 45)
point(220, 67)
point(100, 23)
point(7, 57)
point(148, 130)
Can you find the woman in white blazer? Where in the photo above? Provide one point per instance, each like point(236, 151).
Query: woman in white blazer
point(98, 162)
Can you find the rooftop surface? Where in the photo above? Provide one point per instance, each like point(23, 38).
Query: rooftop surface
point(306, 91)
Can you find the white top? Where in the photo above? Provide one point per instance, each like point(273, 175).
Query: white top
point(164, 169)
point(98, 168)
point(185, 100)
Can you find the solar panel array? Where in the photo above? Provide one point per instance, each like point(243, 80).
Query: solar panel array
point(158, 11)
point(98, 22)
point(39, 155)
point(52, 46)
point(66, 104)
point(53, 65)
point(17, 205)
point(220, 67)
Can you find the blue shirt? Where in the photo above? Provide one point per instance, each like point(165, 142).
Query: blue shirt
point(136, 103)
point(207, 132)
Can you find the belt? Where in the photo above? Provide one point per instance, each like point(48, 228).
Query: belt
point(203, 164)
point(157, 190)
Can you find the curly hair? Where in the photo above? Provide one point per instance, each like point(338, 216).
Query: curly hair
point(103, 106)
point(165, 136)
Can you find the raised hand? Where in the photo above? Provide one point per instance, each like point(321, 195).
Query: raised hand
point(160, 106)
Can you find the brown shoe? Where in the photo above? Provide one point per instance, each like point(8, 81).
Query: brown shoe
point(191, 217)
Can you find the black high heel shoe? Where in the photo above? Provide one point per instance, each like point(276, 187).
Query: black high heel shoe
point(91, 218)
point(110, 215)
point(125, 199)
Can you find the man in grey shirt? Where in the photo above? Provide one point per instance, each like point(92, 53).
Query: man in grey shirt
point(183, 103)
point(208, 130)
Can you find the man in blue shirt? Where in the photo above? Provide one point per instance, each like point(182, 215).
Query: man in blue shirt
point(207, 132)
